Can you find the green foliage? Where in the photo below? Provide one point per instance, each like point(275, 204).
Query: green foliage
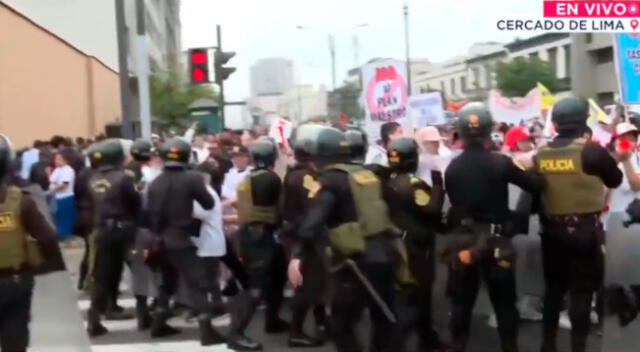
point(517, 77)
point(171, 96)
point(347, 101)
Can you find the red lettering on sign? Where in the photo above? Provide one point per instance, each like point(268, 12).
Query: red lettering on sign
point(386, 73)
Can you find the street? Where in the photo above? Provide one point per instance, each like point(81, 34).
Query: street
point(57, 326)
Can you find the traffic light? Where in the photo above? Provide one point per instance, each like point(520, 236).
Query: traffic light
point(221, 58)
point(199, 66)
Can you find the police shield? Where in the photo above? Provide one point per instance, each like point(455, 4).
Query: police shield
point(622, 261)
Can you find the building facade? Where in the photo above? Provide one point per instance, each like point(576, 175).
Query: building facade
point(271, 76)
point(593, 69)
point(303, 102)
point(72, 93)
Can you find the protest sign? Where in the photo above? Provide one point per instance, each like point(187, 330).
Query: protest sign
point(426, 110)
point(384, 95)
point(515, 110)
point(627, 49)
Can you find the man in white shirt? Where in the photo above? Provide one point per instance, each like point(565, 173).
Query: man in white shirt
point(29, 158)
point(431, 156)
point(377, 153)
point(199, 149)
point(240, 170)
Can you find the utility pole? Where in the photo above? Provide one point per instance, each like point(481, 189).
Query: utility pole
point(332, 52)
point(142, 64)
point(407, 45)
point(221, 97)
point(123, 53)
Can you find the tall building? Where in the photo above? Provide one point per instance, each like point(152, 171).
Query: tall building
point(271, 76)
point(68, 63)
point(593, 69)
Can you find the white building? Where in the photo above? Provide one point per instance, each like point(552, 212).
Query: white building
point(302, 102)
point(271, 76)
point(552, 47)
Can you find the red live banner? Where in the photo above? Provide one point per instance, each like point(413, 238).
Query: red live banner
point(586, 9)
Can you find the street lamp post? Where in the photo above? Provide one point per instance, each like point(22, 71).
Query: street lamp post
point(407, 45)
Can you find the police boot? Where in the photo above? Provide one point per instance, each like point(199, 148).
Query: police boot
point(159, 326)
point(239, 342)
point(208, 334)
point(115, 312)
point(94, 327)
point(273, 323)
point(142, 313)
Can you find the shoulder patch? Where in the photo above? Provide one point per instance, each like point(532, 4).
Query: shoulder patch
point(414, 180)
point(364, 177)
point(315, 189)
point(421, 197)
point(308, 182)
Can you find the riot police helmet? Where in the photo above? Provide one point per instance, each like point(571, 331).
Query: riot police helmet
point(358, 144)
point(475, 121)
point(403, 155)
point(142, 150)
point(332, 146)
point(264, 153)
point(304, 141)
point(6, 155)
point(570, 114)
point(176, 153)
point(108, 153)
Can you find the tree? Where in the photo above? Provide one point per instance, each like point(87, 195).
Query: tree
point(517, 77)
point(171, 97)
point(347, 101)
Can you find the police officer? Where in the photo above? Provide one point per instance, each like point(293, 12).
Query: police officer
point(349, 206)
point(479, 247)
point(116, 204)
point(258, 196)
point(141, 152)
point(298, 183)
point(170, 206)
point(577, 173)
point(26, 239)
point(416, 209)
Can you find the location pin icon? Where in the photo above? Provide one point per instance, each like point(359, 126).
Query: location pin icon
point(634, 24)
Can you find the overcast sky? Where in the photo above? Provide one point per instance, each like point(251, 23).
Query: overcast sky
point(263, 28)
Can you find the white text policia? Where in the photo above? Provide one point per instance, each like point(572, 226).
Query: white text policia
point(560, 25)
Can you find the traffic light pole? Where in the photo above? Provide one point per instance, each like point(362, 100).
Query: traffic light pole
point(221, 85)
point(123, 68)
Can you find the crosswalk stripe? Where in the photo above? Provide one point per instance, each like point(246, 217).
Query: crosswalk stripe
point(191, 346)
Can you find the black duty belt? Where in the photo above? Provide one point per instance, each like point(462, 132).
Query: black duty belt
point(491, 228)
point(593, 218)
point(9, 272)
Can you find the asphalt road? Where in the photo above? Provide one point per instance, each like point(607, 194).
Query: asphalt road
point(58, 309)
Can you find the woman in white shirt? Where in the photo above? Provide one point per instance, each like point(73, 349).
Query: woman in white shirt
point(61, 185)
point(211, 241)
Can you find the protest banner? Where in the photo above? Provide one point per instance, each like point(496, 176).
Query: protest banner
point(426, 110)
point(280, 130)
point(515, 110)
point(384, 95)
point(627, 54)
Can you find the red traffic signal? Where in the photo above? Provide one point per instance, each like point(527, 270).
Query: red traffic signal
point(199, 65)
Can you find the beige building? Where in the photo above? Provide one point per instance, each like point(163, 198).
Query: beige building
point(303, 102)
point(48, 86)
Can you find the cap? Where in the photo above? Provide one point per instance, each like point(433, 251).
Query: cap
point(626, 127)
point(515, 135)
point(428, 134)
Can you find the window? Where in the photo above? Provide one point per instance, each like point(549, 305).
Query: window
point(604, 55)
point(453, 86)
point(488, 70)
point(442, 88)
point(588, 38)
point(463, 84)
point(476, 77)
point(605, 99)
point(567, 60)
point(553, 59)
